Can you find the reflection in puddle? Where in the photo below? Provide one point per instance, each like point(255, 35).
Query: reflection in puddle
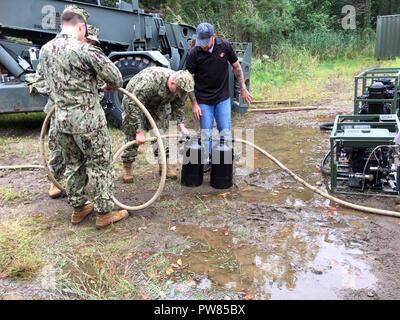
point(290, 265)
point(300, 149)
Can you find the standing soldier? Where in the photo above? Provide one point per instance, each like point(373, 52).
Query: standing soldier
point(73, 70)
point(161, 90)
point(38, 84)
point(92, 35)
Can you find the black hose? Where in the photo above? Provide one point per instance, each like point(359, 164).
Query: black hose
point(323, 162)
point(326, 126)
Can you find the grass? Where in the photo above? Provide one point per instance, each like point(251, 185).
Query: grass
point(10, 196)
point(21, 122)
point(19, 257)
point(311, 81)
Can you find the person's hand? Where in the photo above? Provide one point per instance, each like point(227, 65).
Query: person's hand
point(196, 112)
point(183, 129)
point(140, 138)
point(107, 88)
point(246, 96)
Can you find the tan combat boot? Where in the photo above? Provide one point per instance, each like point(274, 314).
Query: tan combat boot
point(81, 213)
point(109, 218)
point(127, 176)
point(54, 192)
point(171, 172)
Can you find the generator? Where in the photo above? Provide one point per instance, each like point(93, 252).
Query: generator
point(365, 158)
point(376, 91)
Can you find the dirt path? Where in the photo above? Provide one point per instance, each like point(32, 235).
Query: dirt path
point(266, 238)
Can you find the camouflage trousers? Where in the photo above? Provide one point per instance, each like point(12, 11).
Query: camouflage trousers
point(88, 156)
point(161, 116)
point(56, 160)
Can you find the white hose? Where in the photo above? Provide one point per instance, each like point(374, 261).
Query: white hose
point(316, 190)
point(160, 148)
point(21, 167)
point(163, 177)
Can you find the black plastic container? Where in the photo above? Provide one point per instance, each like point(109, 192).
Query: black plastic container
point(222, 165)
point(193, 163)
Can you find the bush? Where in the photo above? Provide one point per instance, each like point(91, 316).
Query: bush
point(333, 44)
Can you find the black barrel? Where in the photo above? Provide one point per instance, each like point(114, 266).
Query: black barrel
point(222, 165)
point(193, 163)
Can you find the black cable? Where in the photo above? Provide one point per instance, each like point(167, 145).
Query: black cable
point(326, 126)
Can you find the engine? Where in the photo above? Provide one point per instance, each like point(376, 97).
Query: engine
point(365, 155)
point(381, 89)
point(369, 169)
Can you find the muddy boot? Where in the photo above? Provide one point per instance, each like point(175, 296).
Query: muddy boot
point(107, 219)
point(127, 176)
point(171, 172)
point(81, 213)
point(54, 192)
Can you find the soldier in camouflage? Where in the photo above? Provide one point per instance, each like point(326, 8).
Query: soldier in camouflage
point(72, 70)
point(38, 84)
point(163, 92)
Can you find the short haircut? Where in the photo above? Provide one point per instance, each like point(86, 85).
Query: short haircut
point(71, 18)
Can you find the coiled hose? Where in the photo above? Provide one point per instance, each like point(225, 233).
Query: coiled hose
point(160, 148)
point(163, 176)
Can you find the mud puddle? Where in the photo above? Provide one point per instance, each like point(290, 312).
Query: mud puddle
point(291, 264)
point(300, 149)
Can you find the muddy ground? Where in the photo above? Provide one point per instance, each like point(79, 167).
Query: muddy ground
point(265, 238)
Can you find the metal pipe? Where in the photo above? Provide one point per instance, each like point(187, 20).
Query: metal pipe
point(9, 63)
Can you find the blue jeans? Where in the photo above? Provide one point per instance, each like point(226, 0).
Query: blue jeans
point(222, 114)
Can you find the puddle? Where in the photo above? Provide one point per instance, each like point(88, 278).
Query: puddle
point(299, 148)
point(290, 264)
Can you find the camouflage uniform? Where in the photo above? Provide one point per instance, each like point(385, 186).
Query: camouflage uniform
point(150, 87)
point(37, 84)
point(73, 70)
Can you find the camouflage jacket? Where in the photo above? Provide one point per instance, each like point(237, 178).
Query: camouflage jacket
point(38, 85)
point(72, 71)
point(150, 87)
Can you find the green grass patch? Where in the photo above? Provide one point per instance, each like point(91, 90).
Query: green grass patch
point(22, 121)
point(310, 81)
point(19, 257)
point(8, 195)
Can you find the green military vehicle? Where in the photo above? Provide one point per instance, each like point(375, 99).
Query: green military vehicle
point(132, 39)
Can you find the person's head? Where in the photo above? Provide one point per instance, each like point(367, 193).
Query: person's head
point(205, 36)
point(181, 82)
point(92, 35)
point(73, 20)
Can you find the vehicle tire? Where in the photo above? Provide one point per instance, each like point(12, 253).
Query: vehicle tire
point(129, 66)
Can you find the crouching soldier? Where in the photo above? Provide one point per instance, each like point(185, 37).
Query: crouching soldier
point(161, 91)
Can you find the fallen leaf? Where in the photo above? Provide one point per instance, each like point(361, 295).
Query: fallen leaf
point(192, 283)
point(179, 262)
point(128, 257)
point(248, 296)
point(224, 195)
point(169, 271)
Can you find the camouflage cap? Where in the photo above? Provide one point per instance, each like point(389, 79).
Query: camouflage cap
point(80, 11)
point(184, 81)
point(93, 33)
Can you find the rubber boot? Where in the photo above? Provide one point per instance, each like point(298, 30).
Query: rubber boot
point(104, 220)
point(81, 213)
point(127, 176)
point(54, 192)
